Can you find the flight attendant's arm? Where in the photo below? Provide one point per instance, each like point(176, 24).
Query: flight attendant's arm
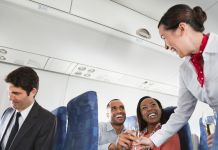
point(185, 107)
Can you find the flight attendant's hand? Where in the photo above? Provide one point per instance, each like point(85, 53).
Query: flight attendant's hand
point(145, 142)
point(210, 140)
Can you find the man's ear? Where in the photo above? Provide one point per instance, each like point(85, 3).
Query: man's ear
point(33, 92)
point(107, 114)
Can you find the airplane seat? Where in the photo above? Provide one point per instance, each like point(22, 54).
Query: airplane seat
point(82, 130)
point(61, 114)
point(195, 141)
point(203, 137)
point(184, 133)
point(128, 120)
point(215, 141)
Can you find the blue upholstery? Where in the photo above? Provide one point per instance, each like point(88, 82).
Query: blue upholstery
point(203, 137)
point(60, 136)
point(82, 130)
point(128, 120)
point(215, 141)
point(184, 133)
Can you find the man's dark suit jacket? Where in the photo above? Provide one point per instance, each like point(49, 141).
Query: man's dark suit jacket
point(37, 131)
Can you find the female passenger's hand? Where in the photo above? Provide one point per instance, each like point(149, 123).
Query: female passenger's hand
point(210, 140)
point(145, 142)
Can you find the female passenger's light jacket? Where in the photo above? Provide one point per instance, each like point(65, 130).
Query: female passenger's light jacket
point(190, 91)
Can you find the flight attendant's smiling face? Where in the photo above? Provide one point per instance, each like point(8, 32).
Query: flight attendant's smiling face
point(176, 40)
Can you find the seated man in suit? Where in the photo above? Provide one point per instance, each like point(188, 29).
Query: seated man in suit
point(112, 134)
point(26, 125)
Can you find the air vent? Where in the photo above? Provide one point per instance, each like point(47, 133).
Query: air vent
point(78, 73)
point(82, 68)
point(143, 33)
point(2, 58)
point(2, 51)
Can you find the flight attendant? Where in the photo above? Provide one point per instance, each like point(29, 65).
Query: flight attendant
point(182, 28)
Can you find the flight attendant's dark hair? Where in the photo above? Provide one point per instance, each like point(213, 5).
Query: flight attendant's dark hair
point(183, 13)
point(142, 123)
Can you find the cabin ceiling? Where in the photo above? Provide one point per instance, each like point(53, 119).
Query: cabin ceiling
point(99, 34)
point(156, 8)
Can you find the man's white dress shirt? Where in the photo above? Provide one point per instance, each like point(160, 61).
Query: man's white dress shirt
point(190, 91)
point(21, 119)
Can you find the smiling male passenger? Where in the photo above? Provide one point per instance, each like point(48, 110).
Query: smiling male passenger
point(26, 125)
point(112, 134)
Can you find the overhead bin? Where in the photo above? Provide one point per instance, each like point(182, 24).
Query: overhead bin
point(118, 17)
point(63, 5)
point(22, 58)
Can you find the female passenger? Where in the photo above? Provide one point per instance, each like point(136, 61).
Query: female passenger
point(182, 28)
point(150, 118)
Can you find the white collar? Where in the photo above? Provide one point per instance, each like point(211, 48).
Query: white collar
point(26, 111)
point(211, 43)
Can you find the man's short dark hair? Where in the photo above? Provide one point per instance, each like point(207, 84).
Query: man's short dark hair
point(25, 78)
point(110, 102)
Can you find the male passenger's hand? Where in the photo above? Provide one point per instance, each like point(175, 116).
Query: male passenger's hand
point(210, 140)
point(124, 140)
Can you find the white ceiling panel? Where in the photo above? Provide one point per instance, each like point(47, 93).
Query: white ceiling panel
point(75, 42)
point(166, 100)
point(212, 20)
point(174, 91)
point(63, 5)
point(22, 58)
point(116, 16)
point(71, 68)
point(130, 81)
point(156, 8)
point(173, 81)
point(57, 65)
point(162, 88)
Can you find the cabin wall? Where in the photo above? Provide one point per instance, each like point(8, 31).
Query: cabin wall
point(58, 89)
point(51, 92)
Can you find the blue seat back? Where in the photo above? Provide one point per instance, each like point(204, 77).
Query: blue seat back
point(203, 137)
point(82, 130)
point(60, 135)
point(184, 133)
point(215, 141)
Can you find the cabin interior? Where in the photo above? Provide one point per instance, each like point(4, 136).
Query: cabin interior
point(91, 45)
